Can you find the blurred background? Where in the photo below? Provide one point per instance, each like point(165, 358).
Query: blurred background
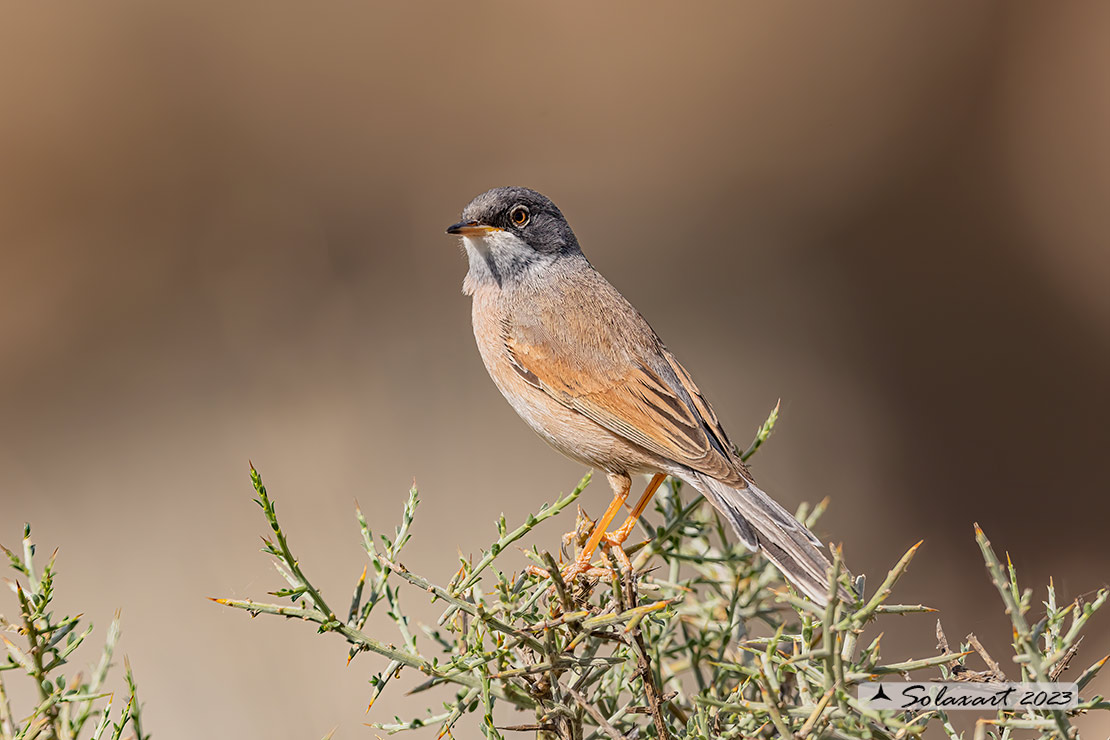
point(222, 238)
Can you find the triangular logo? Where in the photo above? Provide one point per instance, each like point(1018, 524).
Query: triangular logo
point(880, 694)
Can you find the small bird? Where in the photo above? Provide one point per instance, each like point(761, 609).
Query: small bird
point(588, 374)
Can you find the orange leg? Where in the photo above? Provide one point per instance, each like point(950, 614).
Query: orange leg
point(621, 484)
point(618, 537)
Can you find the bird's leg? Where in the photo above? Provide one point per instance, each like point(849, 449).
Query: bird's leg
point(621, 485)
point(618, 537)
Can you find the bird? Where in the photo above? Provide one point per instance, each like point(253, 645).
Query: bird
point(584, 369)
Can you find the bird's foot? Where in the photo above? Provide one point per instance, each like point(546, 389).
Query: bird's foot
point(576, 539)
point(610, 543)
point(583, 565)
point(571, 572)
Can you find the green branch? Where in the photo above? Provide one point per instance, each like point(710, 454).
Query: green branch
point(695, 637)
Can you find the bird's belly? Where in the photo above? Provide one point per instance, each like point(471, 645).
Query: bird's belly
point(566, 430)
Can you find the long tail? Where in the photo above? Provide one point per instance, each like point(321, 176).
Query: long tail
point(766, 527)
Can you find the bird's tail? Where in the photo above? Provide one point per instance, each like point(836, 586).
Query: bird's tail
point(766, 527)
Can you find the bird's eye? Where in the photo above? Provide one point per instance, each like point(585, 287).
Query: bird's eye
point(519, 215)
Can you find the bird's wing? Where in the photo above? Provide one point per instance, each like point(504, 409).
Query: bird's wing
point(597, 355)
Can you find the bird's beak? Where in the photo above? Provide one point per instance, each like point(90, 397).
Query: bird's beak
point(471, 228)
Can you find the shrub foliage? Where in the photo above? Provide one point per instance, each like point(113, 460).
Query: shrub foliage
point(690, 636)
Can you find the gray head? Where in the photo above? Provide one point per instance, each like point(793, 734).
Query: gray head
point(510, 232)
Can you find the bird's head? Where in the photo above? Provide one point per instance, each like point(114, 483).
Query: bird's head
point(508, 232)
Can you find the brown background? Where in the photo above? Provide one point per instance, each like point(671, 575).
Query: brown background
point(221, 233)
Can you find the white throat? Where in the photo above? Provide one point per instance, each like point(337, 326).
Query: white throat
point(497, 258)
